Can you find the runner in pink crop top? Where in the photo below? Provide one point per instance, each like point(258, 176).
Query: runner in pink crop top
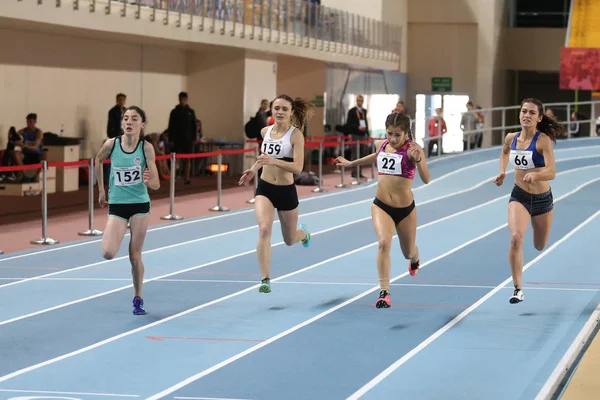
point(388, 164)
point(393, 210)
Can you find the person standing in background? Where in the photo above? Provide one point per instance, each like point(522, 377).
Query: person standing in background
point(113, 128)
point(183, 130)
point(357, 127)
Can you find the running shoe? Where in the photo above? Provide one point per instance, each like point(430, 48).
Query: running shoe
point(138, 306)
point(265, 286)
point(306, 241)
point(384, 300)
point(413, 268)
point(517, 297)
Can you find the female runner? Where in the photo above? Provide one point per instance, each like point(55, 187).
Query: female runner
point(532, 154)
point(394, 207)
point(132, 171)
point(282, 157)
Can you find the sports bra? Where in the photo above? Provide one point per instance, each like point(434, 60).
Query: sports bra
point(396, 163)
point(528, 158)
point(279, 148)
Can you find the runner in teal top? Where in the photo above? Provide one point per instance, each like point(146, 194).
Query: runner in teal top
point(126, 184)
point(132, 171)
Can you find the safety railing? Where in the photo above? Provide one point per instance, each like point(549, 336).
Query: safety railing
point(300, 23)
point(466, 130)
point(336, 145)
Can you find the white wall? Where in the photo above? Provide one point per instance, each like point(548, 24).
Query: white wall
point(73, 82)
point(260, 81)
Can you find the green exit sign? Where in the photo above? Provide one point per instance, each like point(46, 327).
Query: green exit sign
point(441, 84)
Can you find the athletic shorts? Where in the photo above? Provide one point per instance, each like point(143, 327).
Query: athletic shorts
point(283, 197)
point(126, 211)
point(535, 204)
point(397, 213)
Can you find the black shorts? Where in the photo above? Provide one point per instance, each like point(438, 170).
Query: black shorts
point(397, 213)
point(283, 197)
point(535, 204)
point(29, 158)
point(126, 211)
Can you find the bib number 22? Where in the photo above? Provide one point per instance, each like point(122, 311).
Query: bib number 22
point(388, 163)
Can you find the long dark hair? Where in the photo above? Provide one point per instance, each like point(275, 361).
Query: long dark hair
point(400, 120)
point(141, 113)
point(301, 110)
point(547, 125)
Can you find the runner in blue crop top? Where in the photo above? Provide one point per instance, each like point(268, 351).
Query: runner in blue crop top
point(393, 208)
point(531, 153)
point(132, 171)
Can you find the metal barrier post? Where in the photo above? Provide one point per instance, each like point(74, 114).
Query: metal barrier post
point(319, 189)
point(356, 181)
point(91, 181)
point(373, 164)
point(172, 216)
point(253, 200)
point(218, 207)
point(342, 185)
point(44, 239)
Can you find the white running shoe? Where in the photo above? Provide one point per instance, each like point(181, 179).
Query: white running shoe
point(517, 297)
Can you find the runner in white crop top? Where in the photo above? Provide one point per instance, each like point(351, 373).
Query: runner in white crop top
point(282, 156)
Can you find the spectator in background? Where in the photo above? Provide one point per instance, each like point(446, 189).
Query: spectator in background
point(183, 130)
point(358, 128)
point(263, 113)
point(113, 128)
point(31, 146)
point(468, 124)
point(574, 129)
point(479, 123)
point(9, 156)
point(400, 107)
point(437, 128)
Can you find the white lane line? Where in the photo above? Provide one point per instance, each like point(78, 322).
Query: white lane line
point(234, 231)
point(478, 185)
point(67, 393)
point(373, 289)
point(389, 370)
point(565, 365)
point(235, 213)
point(59, 306)
point(254, 287)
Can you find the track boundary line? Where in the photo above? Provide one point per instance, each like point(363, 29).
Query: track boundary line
point(445, 196)
point(221, 299)
point(304, 199)
point(565, 365)
point(393, 367)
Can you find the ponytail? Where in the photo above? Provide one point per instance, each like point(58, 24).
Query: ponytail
point(550, 127)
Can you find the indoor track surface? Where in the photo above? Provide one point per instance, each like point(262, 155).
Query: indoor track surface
point(67, 330)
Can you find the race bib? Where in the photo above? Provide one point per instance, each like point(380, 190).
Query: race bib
point(389, 163)
point(272, 148)
point(127, 176)
point(522, 159)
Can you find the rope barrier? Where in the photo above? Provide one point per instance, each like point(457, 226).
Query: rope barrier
point(316, 142)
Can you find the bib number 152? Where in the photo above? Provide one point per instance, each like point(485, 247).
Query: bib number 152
point(127, 177)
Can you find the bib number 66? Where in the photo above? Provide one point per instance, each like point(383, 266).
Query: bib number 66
point(521, 161)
